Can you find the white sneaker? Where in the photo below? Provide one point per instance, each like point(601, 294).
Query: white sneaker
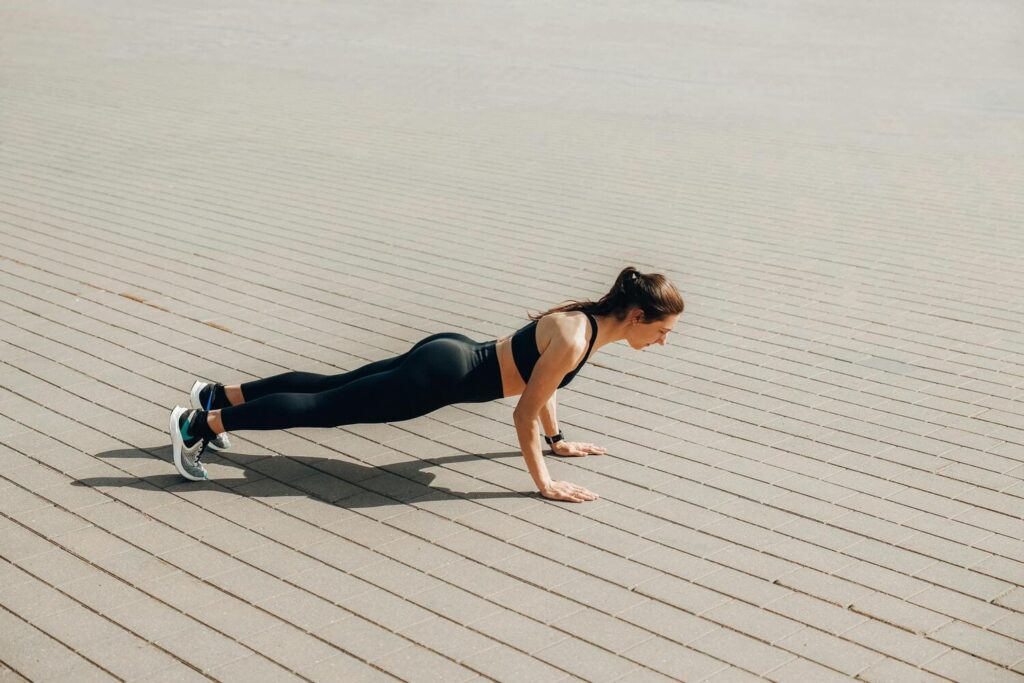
point(188, 448)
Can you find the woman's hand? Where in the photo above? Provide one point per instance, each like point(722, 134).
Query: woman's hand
point(563, 490)
point(576, 448)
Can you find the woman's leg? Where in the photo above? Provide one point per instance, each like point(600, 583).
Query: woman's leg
point(420, 383)
point(314, 383)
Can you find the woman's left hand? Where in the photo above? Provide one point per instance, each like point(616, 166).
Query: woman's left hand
point(576, 448)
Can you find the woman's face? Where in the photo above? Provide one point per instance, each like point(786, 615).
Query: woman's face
point(643, 334)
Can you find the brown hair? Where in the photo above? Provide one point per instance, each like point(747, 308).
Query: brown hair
point(652, 293)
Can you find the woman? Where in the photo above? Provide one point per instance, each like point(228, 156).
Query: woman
point(440, 370)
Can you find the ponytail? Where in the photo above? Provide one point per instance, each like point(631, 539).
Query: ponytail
point(652, 293)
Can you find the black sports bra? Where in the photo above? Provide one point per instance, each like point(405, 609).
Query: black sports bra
point(526, 354)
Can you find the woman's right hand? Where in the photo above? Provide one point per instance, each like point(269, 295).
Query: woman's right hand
point(563, 490)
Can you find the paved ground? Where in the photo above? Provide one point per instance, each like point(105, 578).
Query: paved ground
point(821, 476)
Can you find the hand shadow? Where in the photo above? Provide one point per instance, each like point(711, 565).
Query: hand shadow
point(336, 481)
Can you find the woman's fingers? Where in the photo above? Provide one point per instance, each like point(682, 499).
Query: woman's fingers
point(563, 490)
point(573, 449)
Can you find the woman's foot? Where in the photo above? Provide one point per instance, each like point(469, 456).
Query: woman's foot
point(188, 442)
point(209, 396)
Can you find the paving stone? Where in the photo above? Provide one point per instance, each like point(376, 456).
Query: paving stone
point(362, 638)
point(752, 589)
point(455, 603)
point(39, 657)
point(589, 590)
point(536, 603)
point(127, 656)
point(421, 663)
point(804, 670)
point(603, 630)
point(33, 597)
point(830, 651)
point(910, 648)
point(893, 670)
point(342, 667)
point(673, 660)
point(474, 577)
point(985, 644)
point(448, 638)
point(963, 667)
point(505, 664)
point(202, 647)
point(519, 631)
point(303, 609)
point(291, 647)
point(78, 627)
point(740, 651)
point(585, 660)
point(750, 620)
point(150, 619)
point(640, 675)
point(898, 613)
point(57, 567)
point(668, 621)
point(254, 668)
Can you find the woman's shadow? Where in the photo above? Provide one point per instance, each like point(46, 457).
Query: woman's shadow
point(336, 481)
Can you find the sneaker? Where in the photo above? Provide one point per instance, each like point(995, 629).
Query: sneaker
point(221, 442)
point(188, 449)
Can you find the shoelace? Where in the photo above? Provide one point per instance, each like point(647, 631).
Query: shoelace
point(202, 449)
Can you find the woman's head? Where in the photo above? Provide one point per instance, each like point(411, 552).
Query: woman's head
point(649, 303)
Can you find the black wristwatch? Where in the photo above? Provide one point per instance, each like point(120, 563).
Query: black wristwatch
point(552, 440)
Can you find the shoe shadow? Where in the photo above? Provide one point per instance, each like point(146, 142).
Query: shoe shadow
point(336, 481)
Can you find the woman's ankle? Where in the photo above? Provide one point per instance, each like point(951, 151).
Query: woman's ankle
point(233, 394)
point(214, 422)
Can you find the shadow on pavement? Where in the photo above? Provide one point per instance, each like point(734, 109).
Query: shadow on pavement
point(335, 481)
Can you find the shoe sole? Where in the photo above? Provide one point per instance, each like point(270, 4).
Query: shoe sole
point(177, 443)
point(194, 399)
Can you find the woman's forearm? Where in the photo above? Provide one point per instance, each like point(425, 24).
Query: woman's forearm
point(529, 443)
point(548, 420)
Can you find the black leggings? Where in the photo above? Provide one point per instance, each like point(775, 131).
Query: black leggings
point(437, 371)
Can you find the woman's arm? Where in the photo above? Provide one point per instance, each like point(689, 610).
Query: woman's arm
point(558, 359)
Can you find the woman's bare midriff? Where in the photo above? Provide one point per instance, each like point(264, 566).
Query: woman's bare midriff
point(512, 383)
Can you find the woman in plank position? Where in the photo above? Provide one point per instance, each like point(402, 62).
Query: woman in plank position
point(440, 370)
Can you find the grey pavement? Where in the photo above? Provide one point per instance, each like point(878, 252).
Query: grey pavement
point(820, 477)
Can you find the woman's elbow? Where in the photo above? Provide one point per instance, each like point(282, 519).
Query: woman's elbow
point(521, 417)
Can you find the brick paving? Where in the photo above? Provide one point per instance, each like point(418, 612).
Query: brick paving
point(819, 478)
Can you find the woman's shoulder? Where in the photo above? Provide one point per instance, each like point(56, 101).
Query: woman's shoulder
point(563, 327)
